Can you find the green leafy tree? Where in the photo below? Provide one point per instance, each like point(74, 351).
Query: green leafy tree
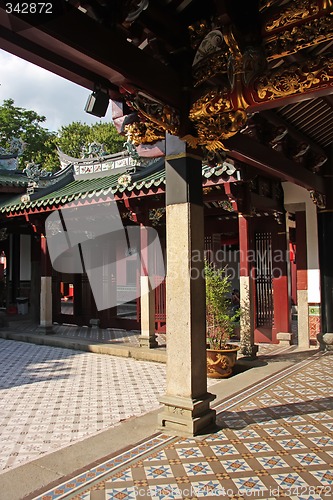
point(26, 125)
point(41, 144)
point(106, 134)
point(74, 137)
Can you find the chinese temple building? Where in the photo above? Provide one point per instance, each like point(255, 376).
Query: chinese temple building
point(233, 100)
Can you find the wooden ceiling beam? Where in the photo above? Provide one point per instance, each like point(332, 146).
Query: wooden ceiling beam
point(76, 38)
point(273, 163)
point(295, 134)
point(49, 60)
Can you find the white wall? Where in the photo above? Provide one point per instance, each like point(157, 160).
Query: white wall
point(296, 194)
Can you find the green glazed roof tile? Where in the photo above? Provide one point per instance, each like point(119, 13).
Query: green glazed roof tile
point(87, 188)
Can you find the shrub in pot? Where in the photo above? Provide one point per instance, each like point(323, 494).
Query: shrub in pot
point(220, 321)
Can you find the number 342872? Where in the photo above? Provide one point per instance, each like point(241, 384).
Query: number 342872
point(29, 8)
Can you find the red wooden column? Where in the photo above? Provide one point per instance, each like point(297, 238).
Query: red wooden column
point(302, 280)
point(45, 325)
point(147, 294)
point(35, 276)
point(281, 296)
point(247, 323)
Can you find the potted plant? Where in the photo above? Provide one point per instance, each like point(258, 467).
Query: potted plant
point(220, 322)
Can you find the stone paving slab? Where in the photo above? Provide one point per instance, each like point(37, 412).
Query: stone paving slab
point(274, 441)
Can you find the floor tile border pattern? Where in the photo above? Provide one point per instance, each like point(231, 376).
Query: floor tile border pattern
point(78, 484)
point(72, 487)
point(260, 386)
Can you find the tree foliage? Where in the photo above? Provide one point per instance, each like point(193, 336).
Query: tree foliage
point(76, 136)
point(26, 125)
point(41, 144)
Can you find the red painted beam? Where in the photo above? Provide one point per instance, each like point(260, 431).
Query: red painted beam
point(80, 40)
point(273, 163)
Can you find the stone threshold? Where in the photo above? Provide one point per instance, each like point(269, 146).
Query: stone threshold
point(157, 354)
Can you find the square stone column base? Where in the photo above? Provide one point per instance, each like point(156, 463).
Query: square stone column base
point(325, 341)
point(248, 350)
point(186, 416)
point(149, 342)
point(45, 330)
point(284, 338)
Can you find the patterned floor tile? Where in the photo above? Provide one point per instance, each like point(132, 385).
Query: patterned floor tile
point(277, 431)
point(325, 477)
point(313, 496)
point(155, 471)
point(239, 464)
point(207, 489)
point(290, 480)
point(189, 452)
point(128, 493)
point(246, 434)
point(221, 450)
point(322, 441)
point(258, 447)
point(306, 429)
point(123, 476)
point(308, 459)
point(249, 485)
point(198, 469)
point(271, 456)
point(272, 462)
point(157, 457)
point(291, 444)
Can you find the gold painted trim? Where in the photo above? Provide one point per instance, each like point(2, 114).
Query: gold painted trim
point(183, 155)
point(328, 210)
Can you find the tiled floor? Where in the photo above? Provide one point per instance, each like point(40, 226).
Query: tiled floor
point(275, 441)
point(50, 397)
point(106, 335)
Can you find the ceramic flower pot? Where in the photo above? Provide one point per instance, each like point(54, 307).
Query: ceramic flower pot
point(220, 362)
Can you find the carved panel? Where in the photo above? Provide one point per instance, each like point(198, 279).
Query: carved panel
point(211, 57)
point(212, 131)
point(299, 37)
point(143, 133)
point(161, 116)
point(198, 31)
point(292, 13)
point(214, 102)
point(294, 79)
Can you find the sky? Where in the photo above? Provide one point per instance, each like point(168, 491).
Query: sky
point(34, 88)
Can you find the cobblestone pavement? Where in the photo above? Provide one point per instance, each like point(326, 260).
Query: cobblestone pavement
point(275, 441)
point(51, 397)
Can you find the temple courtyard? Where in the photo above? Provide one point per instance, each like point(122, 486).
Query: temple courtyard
point(78, 424)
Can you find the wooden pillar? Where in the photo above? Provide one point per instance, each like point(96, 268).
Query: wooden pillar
point(281, 297)
point(45, 326)
point(186, 402)
point(15, 261)
point(325, 247)
point(302, 281)
point(35, 277)
point(147, 294)
point(247, 323)
point(325, 239)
